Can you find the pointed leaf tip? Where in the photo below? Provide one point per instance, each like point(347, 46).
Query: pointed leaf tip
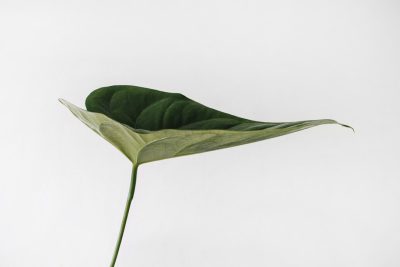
point(347, 126)
point(62, 101)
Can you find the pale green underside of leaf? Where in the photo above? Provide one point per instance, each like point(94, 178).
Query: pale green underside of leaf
point(141, 146)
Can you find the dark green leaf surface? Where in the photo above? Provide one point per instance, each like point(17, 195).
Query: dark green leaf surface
point(148, 125)
point(149, 109)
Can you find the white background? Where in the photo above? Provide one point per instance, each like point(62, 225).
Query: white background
point(321, 197)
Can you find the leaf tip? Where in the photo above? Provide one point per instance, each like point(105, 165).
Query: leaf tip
point(347, 126)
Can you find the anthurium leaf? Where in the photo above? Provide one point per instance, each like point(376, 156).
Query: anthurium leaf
point(148, 125)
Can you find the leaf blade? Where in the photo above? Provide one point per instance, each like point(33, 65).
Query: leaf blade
point(199, 130)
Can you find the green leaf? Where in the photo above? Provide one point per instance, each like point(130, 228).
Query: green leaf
point(148, 125)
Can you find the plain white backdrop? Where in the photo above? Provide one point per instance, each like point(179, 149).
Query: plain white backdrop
point(320, 197)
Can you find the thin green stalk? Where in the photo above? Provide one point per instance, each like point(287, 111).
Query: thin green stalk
point(126, 212)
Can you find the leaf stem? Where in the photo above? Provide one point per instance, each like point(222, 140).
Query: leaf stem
point(126, 212)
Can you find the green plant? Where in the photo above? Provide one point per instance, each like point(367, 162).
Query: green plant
point(148, 125)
